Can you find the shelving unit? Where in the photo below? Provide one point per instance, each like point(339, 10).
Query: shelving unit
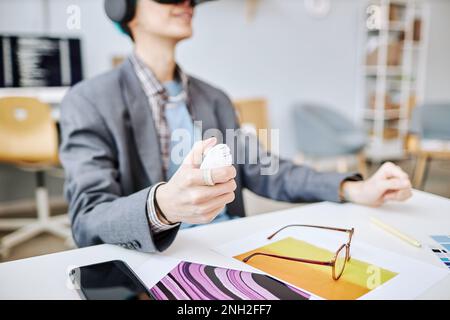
point(393, 70)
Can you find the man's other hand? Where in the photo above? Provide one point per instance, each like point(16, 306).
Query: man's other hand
point(390, 182)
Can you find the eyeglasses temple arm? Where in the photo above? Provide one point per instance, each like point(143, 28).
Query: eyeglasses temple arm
point(322, 263)
point(308, 226)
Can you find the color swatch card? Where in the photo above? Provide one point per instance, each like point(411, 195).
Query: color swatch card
point(172, 279)
point(442, 249)
point(371, 273)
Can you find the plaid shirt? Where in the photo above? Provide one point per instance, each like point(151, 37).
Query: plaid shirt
point(158, 101)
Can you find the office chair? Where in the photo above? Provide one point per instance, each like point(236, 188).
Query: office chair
point(430, 122)
point(29, 140)
point(324, 133)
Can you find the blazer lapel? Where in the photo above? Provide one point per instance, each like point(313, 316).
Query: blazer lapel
point(142, 124)
point(202, 108)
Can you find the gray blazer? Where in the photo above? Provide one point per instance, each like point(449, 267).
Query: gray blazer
point(110, 153)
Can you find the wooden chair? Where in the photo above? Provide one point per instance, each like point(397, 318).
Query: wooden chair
point(29, 140)
point(252, 114)
point(423, 159)
point(430, 124)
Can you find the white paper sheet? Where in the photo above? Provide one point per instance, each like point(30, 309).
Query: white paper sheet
point(414, 277)
point(156, 267)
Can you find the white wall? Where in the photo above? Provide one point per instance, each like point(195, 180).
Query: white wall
point(284, 54)
point(438, 65)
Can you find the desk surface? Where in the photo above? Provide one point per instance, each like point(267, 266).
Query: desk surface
point(45, 277)
point(52, 95)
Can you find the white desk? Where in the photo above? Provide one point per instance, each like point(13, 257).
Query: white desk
point(45, 277)
point(51, 95)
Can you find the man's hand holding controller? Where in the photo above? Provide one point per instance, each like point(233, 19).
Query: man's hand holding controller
point(201, 188)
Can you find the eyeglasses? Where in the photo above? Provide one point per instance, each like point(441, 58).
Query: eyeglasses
point(338, 262)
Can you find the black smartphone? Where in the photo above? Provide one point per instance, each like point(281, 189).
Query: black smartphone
point(111, 280)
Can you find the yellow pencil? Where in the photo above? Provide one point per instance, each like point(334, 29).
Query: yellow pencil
point(395, 232)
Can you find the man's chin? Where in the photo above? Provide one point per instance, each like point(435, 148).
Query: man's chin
point(181, 37)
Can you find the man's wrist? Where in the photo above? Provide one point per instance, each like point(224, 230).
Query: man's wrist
point(348, 190)
point(343, 191)
point(349, 186)
point(160, 214)
point(157, 224)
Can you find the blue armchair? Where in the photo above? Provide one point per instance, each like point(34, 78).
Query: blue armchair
point(324, 133)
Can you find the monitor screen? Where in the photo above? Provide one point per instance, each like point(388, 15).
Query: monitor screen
point(31, 61)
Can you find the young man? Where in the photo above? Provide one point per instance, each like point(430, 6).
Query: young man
point(123, 185)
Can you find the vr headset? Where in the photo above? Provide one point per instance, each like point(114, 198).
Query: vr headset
point(123, 11)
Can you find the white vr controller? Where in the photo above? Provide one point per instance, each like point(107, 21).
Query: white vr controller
point(217, 157)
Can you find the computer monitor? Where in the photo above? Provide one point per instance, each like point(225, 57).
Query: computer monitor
point(36, 61)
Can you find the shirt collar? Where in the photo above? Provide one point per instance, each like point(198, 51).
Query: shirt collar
point(151, 85)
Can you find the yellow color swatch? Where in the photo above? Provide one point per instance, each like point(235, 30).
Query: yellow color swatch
point(358, 279)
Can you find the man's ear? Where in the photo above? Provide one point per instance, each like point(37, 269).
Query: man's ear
point(132, 26)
